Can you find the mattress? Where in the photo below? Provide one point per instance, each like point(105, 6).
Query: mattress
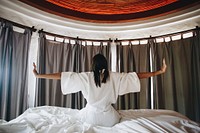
point(51, 119)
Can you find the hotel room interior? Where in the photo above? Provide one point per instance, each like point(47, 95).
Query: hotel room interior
point(133, 35)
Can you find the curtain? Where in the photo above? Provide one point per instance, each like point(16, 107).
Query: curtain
point(179, 88)
point(194, 93)
point(134, 58)
point(56, 57)
point(14, 48)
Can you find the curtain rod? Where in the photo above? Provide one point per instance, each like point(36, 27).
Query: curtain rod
point(19, 25)
point(73, 38)
point(161, 36)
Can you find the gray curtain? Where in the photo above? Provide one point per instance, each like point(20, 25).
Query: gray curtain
point(179, 88)
point(134, 58)
point(14, 48)
point(60, 57)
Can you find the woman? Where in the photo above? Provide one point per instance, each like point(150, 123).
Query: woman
point(100, 88)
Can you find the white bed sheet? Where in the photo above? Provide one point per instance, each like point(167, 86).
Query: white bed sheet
point(51, 119)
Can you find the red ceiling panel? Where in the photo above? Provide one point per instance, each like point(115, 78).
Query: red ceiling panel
point(111, 11)
point(111, 6)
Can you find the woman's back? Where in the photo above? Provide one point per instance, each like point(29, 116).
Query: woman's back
point(98, 110)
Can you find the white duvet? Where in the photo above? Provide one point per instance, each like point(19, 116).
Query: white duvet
point(50, 119)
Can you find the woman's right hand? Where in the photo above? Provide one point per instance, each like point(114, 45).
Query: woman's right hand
point(34, 70)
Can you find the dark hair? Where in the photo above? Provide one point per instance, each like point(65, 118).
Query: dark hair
point(99, 63)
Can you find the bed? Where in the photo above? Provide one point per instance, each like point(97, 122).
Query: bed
point(51, 119)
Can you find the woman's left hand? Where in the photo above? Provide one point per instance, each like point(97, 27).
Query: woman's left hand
point(164, 67)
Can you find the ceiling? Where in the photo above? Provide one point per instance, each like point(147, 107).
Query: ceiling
point(110, 11)
point(138, 24)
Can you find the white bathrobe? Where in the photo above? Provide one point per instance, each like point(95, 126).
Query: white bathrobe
point(98, 110)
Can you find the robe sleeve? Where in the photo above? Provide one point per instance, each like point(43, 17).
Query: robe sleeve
point(129, 82)
point(72, 82)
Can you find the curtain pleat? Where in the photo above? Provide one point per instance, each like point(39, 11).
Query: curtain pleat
point(134, 58)
point(56, 57)
point(14, 48)
point(193, 107)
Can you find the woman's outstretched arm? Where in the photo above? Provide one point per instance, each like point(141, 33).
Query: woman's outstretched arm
point(46, 76)
point(150, 74)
